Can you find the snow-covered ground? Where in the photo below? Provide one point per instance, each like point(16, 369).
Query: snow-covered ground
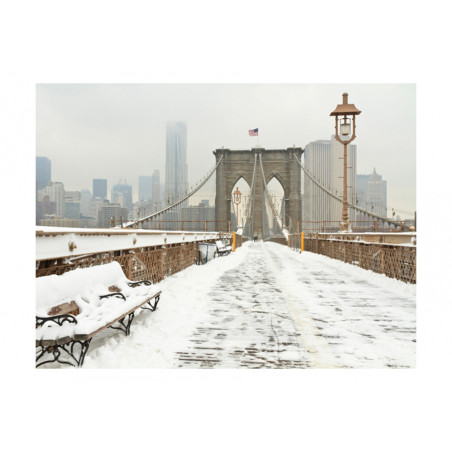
point(268, 306)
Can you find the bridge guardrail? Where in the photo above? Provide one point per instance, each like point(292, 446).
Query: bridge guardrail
point(141, 254)
point(395, 260)
point(151, 263)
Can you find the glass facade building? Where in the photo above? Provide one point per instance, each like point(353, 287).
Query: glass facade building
point(43, 172)
point(176, 178)
point(100, 188)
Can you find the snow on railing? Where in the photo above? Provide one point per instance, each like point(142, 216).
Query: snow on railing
point(53, 242)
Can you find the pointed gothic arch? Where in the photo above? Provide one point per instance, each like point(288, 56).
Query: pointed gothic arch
point(278, 163)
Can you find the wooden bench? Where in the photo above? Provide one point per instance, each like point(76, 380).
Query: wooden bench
point(72, 308)
point(223, 248)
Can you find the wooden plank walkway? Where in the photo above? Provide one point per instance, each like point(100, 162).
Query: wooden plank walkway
point(258, 317)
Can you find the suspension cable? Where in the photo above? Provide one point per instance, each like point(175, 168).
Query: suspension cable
point(166, 209)
point(267, 194)
point(250, 207)
point(353, 206)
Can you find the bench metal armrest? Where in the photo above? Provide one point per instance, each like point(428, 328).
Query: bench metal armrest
point(139, 283)
point(58, 319)
point(119, 294)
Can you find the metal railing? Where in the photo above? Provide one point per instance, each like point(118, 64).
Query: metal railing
point(186, 225)
point(395, 260)
point(147, 262)
point(357, 226)
point(152, 263)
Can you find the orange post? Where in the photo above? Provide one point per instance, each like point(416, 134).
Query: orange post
point(233, 241)
point(302, 242)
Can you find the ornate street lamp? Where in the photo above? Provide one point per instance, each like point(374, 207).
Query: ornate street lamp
point(237, 200)
point(343, 113)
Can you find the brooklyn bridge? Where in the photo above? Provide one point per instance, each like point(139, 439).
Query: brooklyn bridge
point(267, 292)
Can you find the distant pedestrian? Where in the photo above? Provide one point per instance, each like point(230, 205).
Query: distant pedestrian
point(255, 238)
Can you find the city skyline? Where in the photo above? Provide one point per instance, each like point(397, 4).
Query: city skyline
point(124, 126)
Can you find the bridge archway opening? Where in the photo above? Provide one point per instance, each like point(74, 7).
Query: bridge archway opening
point(239, 211)
point(257, 166)
point(275, 212)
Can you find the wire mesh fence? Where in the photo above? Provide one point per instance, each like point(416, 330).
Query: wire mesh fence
point(356, 226)
point(151, 263)
point(393, 260)
point(186, 225)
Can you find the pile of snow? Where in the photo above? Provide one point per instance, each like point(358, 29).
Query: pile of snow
point(85, 286)
point(155, 339)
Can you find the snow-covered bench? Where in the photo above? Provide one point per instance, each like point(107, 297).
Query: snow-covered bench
point(74, 307)
point(223, 248)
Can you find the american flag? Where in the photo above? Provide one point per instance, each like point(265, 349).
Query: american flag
point(253, 132)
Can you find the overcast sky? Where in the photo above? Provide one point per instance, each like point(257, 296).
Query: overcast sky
point(115, 131)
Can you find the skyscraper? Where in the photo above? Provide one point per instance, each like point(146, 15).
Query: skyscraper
point(100, 188)
point(176, 179)
point(156, 192)
point(323, 160)
point(122, 193)
point(72, 204)
point(55, 192)
point(372, 193)
point(316, 206)
point(43, 172)
point(85, 197)
point(145, 188)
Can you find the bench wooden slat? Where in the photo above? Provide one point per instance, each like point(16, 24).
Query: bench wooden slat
point(84, 337)
point(95, 319)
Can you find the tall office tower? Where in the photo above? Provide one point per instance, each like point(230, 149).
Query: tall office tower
point(195, 217)
point(361, 189)
point(156, 192)
point(85, 197)
point(72, 204)
point(55, 192)
point(372, 193)
point(100, 188)
point(176, 179)
point(72, 195)
point(122, 193)
point(43, 172)
point(94, 207)
point(109, 211)
point(141, 209)
point(323, 159)
point(44, 207)
point(316, 208)
point(145, 187)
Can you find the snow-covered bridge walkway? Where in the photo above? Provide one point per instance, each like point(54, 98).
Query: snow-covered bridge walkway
point(267, 306)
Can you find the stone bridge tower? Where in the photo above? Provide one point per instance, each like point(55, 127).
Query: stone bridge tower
point(278, 163)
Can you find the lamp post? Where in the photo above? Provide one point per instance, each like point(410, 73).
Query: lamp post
point(342, 115)
point(237, 200)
